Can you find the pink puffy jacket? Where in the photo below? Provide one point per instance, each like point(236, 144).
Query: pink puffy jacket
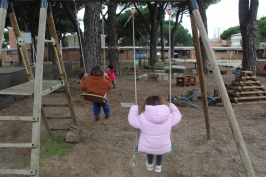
point(155, 125)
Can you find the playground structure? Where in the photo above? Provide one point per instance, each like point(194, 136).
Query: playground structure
point(196, 25)
point(246, 89)
point(37, 87)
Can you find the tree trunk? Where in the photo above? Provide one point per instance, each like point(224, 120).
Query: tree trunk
point(77, 29)
point(156, 16)
point(162, 41)
point(113, 39)
point(92, 43)
point(202, 11)
point(247, 19)
point(154, 29)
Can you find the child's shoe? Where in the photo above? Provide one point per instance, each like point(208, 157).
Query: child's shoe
point(158, 168)
point(149, 166)
point(107, 116)
point(97, 119)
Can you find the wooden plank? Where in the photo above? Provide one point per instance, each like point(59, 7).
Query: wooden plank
point(19, 118)
point(28, 88)
point(243, 78)
point(243, 83)
point(54, 117)
point(17, 172)
point(240, 144)
point(252, 87)
point(60, 129)
point(250, 98)
point(251, 92)
point(38, 87)
point(18, 145)
point(101, 0)
point(252, 102)
point(55, 105)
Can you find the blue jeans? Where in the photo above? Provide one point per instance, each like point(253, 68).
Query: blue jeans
point(97, 109)
point(159, 159)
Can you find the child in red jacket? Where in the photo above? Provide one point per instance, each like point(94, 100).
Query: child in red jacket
point(111, 74)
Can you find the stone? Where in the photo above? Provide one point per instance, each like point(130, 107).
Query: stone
point(74, 135)
point(162, 77)
point(143, 77)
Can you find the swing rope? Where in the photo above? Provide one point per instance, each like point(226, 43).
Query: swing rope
point(169, 11)
point(80, 43)
point(133, 160)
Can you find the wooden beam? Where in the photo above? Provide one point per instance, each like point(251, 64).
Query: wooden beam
point(60, 63)
point(226, 101)
point(104, 1)
point(201, 75)
point(37, 102)
point(2, 26)
point(23, 51)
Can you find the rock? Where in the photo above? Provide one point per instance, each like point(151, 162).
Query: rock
point(74, 135)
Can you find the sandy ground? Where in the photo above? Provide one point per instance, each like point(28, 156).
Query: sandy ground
point(106, 149)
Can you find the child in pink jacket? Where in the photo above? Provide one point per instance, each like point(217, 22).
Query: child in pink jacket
point(111, 74)
point(155, 123)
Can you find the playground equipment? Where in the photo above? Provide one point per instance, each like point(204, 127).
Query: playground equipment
point(37, 87)
point(210, 99)
point(197, 26)
point(94, 98)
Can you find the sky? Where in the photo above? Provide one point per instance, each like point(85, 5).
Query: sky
point(220, 16)
point(224, 15)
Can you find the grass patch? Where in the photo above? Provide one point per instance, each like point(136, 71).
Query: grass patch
point(53, 145)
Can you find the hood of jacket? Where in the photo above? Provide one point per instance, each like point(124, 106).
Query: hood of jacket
point(157, 114)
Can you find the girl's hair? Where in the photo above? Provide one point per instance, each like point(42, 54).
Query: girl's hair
point(111, 67)
point(97, 71)
point(154, 100)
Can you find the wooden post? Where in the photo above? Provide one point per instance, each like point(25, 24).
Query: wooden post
point(25, 58)
point(35, 152)
point(50, 21)
point(227, 104)
point(201, 75)
point(2, 21)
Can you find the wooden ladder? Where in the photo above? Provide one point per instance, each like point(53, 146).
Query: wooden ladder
point(37, 87)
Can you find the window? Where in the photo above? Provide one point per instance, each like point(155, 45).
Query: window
point(12, 52)
point(220, 51)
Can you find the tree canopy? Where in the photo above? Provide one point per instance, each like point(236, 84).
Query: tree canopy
point(261, 29)
point(226, 35)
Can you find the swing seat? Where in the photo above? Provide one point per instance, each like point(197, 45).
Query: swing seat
point(94, 98)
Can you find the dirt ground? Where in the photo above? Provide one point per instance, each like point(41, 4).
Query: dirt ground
point(106, 149)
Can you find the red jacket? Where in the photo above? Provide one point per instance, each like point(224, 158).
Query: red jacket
point(96, 85)
point(111, 74)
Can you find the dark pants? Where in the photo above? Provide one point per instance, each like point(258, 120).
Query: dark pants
point(159, 159)
point(113, 84)
point(97, 109)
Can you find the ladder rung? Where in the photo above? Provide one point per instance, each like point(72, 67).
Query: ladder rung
point(19, 145)
point(60, 129)
point(59, 117)
point(55, 105)
point(17, 172)
point(21, 118)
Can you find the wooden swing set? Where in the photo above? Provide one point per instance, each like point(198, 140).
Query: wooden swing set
point(197, 27)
